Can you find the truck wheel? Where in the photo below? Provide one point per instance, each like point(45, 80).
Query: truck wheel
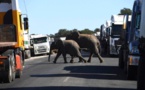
point(10, 64)
point(126, 65)
point(9, 75)
point(120, 62)
point(18, 73)
point(131, 72)
point(27, 54)
point(13, 68)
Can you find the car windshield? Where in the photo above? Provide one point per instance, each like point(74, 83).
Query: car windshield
point(39, 40)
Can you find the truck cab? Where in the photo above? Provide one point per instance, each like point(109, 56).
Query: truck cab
point(113, 33)
point(40, 43)
point(103, 39)
point(129, 53)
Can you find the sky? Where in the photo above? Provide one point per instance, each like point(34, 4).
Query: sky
point(49, 16)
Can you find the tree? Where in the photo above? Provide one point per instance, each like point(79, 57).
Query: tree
point(86, 31)
point(51, 36)
point(125, 11)
point(96, 30)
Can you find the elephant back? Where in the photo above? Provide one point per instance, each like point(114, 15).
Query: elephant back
point(71, 47)
point(71, 44)
point(86, 40)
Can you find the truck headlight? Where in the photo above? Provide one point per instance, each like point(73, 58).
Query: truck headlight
point(134, 50)
point(133, 60)
point(35, 47)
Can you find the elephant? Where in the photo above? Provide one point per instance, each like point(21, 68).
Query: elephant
point(66, 47)
point(88, 41)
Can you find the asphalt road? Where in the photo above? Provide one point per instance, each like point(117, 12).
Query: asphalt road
point(39, 74)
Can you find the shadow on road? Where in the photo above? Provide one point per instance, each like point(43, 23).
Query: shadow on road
point(66, 88)
point(90, 72)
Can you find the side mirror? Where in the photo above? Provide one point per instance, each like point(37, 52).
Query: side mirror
point(26, 25)
point(138, 19)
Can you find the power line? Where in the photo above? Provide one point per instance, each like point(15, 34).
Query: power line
point(25, 7)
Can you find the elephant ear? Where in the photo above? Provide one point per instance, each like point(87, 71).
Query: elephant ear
point(75, 35)
point(59, 43)
point(69, 36)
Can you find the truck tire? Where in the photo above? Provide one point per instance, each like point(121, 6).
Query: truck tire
point(27, 54)
point(13, 68)
point(9, 66)
point(18, 73)
point(120, 62)
point(131, 72)
point(125, 58)
point(8, 75)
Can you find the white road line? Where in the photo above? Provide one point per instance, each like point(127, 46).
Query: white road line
point(66, 79)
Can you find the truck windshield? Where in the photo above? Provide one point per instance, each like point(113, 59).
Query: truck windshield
point(116, 30)
point(5, 1)
point(40, 40)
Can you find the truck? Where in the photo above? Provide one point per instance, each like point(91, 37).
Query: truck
point(124, 50)
point(140, 25)
point(40, 44)
point(27, 46)
point(11, 40)
point(113, 31)
point(103, 39)
point(129, 54)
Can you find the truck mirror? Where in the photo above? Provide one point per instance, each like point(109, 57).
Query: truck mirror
point(138, 19)
point(124, 26)
point(25, 19)
point(26, 25)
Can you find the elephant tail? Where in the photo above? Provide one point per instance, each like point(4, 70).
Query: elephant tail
point(50, 52)
point(49, 57)
point(100, 49)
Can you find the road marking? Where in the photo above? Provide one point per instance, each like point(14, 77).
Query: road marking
point(80, 63)
point(66, 79)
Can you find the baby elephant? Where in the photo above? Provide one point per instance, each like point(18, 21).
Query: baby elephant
point(66, 47)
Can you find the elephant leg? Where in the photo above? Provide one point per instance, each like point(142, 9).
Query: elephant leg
point(80, 60)
point(80, 57)
point(64, 56)
point(90, 57)
point(98, 55)
point(71, 61)
point(58, 54)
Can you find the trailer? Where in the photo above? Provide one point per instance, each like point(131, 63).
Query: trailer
point(11, 40)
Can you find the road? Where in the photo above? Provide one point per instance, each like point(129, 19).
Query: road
point(39, 74)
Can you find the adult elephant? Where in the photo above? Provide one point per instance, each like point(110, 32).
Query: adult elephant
point(87, 41)
point(66, 47)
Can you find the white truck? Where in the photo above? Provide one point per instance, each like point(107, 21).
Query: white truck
point(27, 45)
point(40, 44)
point(113, 31)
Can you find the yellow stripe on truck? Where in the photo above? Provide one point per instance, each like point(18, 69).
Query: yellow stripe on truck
point(17, 22)
point(2, 17)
